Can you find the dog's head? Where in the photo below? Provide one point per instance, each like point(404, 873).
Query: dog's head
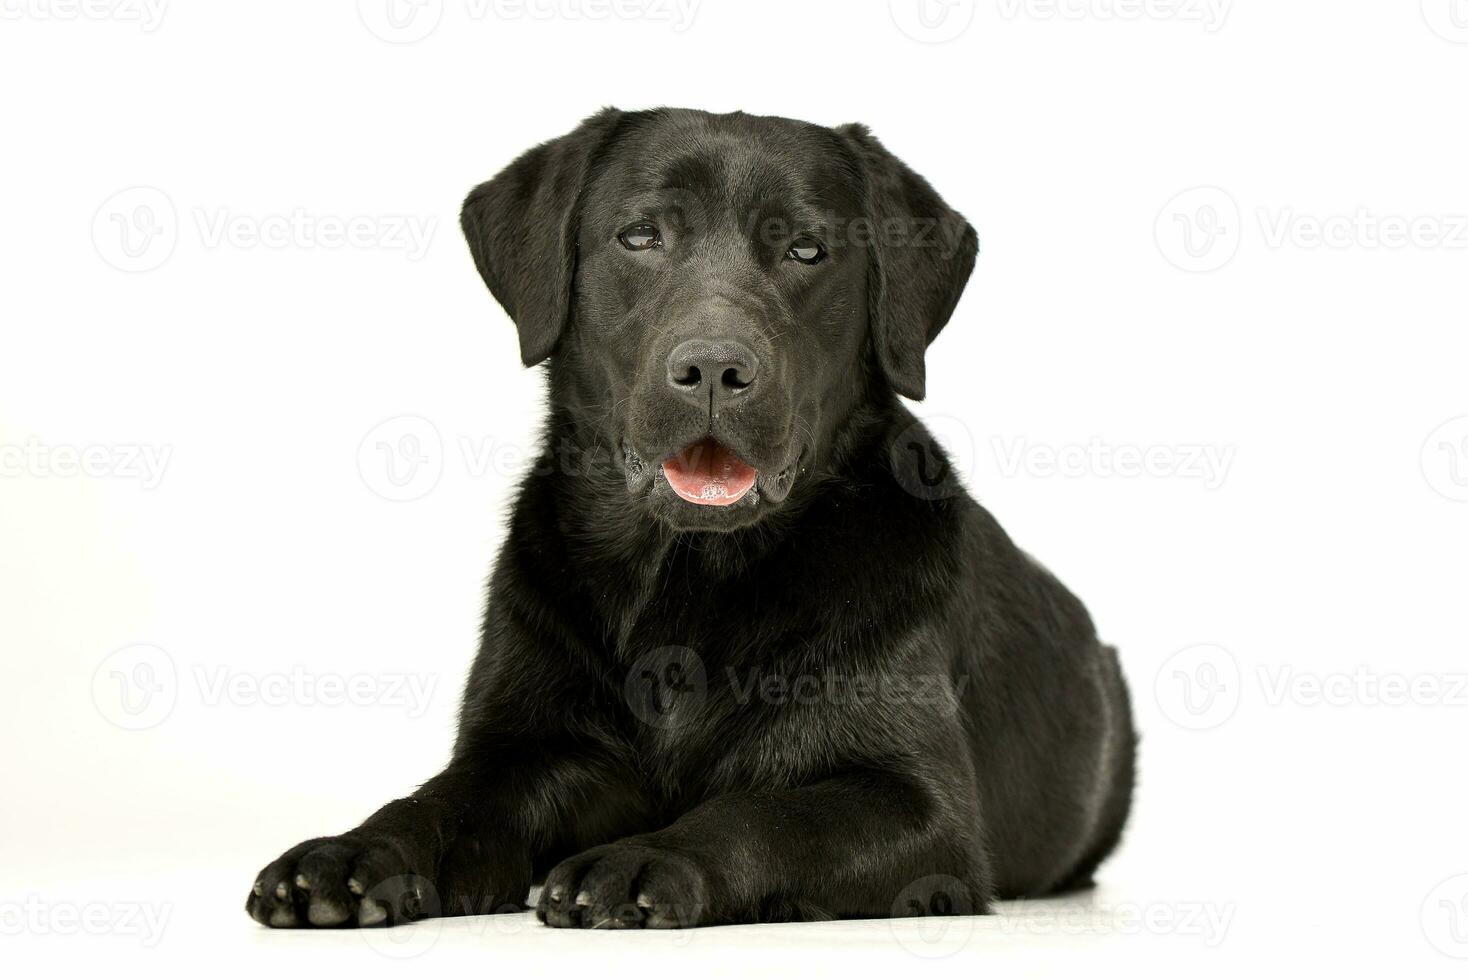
point(718, 293)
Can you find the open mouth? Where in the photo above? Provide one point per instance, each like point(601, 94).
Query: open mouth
point(709, 474)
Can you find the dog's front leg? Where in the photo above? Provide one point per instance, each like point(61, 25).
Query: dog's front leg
point(463, 843)
point(863, 844)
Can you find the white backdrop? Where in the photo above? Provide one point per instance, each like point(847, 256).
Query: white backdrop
point(259, 424)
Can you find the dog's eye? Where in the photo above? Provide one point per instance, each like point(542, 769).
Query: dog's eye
point(806, 250)
point(641, 236)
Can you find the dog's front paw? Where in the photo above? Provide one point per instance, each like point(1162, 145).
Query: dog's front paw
point(626, 885)
point(339, 881)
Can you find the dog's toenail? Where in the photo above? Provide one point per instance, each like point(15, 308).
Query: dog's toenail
point(303, 882)
point(371, 913)
point(355, 887)
point(259, 889)
point(643, 902)
point(281, 891)
point(555, 894)
point(324, 913)
point(583, 898)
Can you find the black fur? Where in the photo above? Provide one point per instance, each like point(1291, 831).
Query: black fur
point(846, 695)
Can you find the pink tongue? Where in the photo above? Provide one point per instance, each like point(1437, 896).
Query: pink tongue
point(707, 473)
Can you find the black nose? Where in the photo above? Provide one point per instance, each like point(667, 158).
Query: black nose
point(711, 369)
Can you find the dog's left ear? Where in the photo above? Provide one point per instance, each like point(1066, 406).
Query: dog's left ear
point(922, 252)
point(521, 227)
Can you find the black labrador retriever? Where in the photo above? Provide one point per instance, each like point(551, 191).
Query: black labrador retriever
point(751, 652)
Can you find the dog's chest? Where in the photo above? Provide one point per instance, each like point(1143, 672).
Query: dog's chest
point(701, 725)
point(724, 689)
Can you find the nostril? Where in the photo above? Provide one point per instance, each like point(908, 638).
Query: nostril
point(734, 379)
point(727, 367)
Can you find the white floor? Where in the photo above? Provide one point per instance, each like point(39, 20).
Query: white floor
point(192, 926)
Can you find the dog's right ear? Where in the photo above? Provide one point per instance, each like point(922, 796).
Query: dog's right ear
point(521, 227)
point(922, 256)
